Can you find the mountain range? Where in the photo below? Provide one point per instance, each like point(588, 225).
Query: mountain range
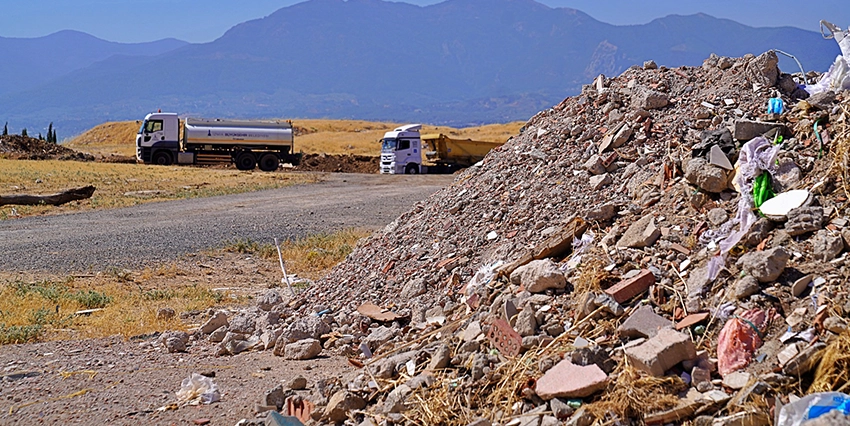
point(458, 62)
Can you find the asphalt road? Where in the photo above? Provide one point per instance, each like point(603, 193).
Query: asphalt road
point(158, 232)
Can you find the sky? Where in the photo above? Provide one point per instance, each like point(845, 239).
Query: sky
point(199, 21)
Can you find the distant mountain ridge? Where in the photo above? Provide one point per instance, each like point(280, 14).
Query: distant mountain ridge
point(31, 62)
point(458, 62)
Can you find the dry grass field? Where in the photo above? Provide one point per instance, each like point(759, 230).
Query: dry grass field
point(313, 136)
point(121, 185)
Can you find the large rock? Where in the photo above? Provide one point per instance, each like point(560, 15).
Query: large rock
point(302, 349)
point(765, 266)
point(706, 176)
point(642, 233)
point(242, 323)
point(539, 275)
point(644, 322)
point(309, 327)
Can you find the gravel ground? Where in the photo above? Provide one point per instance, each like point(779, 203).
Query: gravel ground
point(159, 232)
point(116, 382)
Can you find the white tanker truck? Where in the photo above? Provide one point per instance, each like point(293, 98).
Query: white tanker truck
point(204, 141)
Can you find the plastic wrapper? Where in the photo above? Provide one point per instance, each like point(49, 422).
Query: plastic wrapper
point(739, 339)
point(813, 406)
point(198, 389)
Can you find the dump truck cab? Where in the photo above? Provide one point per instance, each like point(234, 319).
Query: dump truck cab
point(401, 150)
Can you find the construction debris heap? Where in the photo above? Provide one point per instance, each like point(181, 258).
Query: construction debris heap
point(609, 264)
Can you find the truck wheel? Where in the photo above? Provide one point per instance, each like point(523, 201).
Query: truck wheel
point(269, 162)
point(246, 161)
point(162, 158)
point(411, 169)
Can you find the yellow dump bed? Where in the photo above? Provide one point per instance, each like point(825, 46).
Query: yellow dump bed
point(439, 149)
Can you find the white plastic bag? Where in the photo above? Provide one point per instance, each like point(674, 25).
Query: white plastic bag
point(198, 389)
point(838, 76)
point(813, 406)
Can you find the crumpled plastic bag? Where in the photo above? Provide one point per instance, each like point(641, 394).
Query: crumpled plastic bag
point(756, 156)
point(838, 76)
point(198, 389)
point(739, 339)
point(484, 275)
point(813, 406)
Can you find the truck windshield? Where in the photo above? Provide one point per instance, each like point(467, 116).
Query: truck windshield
point(142, 129)
point(389, 145)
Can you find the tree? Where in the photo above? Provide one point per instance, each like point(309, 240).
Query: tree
point(54, 137)
point(6, 129)
point(50, 133)
point(41, 138)
point(24, 132)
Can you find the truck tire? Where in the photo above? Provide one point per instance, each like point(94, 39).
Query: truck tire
point(246, 161)
point(162, 158)
point(411, 169)
point(269, 162)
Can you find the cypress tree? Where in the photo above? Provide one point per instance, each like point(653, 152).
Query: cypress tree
point(50, 133)
point(24, 132)
point(6, 129)
point(54, 137)
point(41, 138)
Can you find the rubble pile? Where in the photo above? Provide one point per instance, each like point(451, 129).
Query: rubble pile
point(609, 264)
point(27, 148)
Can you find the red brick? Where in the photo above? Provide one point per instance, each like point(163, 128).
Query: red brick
point(627, 289)
point(567, 380)
point(692, 319)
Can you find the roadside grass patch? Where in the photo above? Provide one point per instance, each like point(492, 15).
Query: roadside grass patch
point(122, 185)
point(309, 257)
point(49, 310)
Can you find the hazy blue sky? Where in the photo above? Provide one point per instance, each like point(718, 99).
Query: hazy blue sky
point(205, 20)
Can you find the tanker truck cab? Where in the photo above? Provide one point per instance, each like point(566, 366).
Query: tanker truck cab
point(158, 139)
point(401, 150)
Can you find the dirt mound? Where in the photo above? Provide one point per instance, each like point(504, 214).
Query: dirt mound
point(339, 163)
point(26, 148)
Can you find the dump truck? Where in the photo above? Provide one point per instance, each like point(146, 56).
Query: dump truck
point(164, 139)
point(405, 151)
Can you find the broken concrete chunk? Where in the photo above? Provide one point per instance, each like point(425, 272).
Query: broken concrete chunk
point(539, 275)
point(218, 319)
point(803, 220)
point(649, 99)
point(706, 176)
point(662, 352)
point(598, 182)
point(765, 266)
point(644, 322)
point(567, 380)
point(642, 233)
point(763, 70)
point(341, 403)
point(302, 349)
point(827, 245)
point(804, 361)
point(268, 300)
point(746, 130)
point(174, 341)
